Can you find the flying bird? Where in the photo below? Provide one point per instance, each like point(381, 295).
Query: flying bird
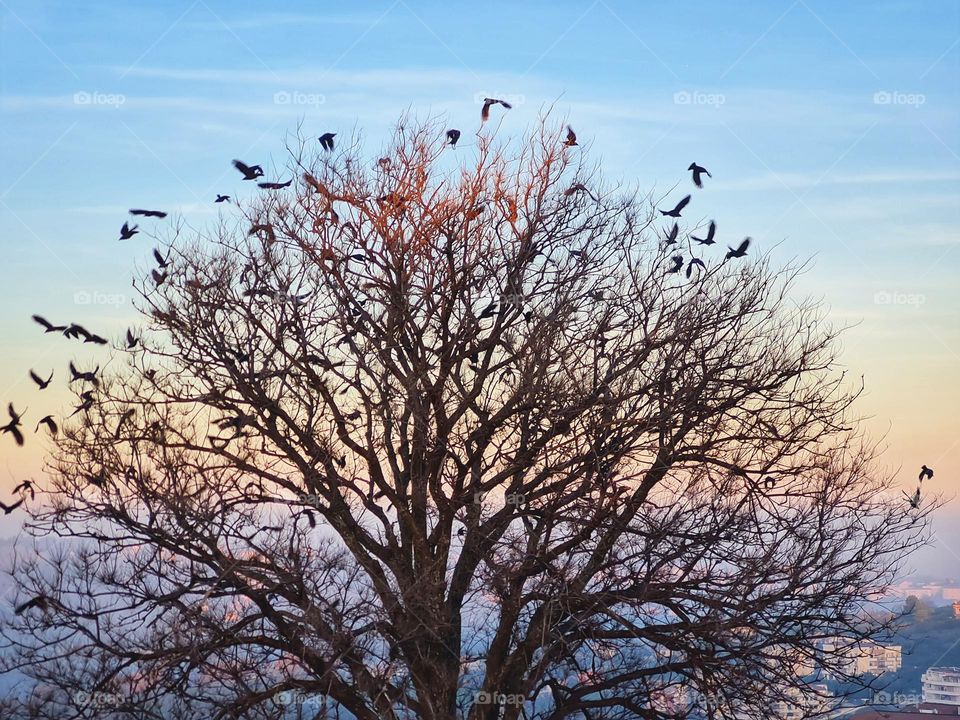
point(131, 340)
point(7, 509)
point(711, 231)
point(127, 232)
point(50, 423)
point(675, 213)
point(914, 500)
point(740, 251)
point(48, 326)
point(926, 473)
point(13, 427)
point(41, 383)
point(158, 277)
point(90, 376)
point(571, 137)
point(579, 187)
point(26, 486)
point(326, 141)
point(148, 213)
point(96, 339)
point(697, 171)
point(40, 601)
point(74, 331)
point(161, 260)
point(274, 185)
point(452, 137)
point(677, 264)
point(694, 261)
point(250, 172)
point(671, 238)
point(487, 102)
point(222, 198)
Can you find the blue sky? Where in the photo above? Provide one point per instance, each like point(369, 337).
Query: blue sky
point(832, 131)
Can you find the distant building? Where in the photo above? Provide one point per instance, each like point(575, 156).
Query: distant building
point(802, 703)
point(864, 657)
point(956, 609)
point(941, 685)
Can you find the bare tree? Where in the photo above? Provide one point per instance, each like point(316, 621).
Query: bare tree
point(425, 437)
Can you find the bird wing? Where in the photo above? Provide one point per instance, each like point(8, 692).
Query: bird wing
point(682, 204)
point(42, 321)
point(242, 167)
point(744, 245)
point(38, 381)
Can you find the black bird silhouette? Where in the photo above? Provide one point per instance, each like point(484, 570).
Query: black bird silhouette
point(123, 418)
point(677, 264)
point(26, 486)
point(148, 213)
point(671, 238)
point(274, 185)
point(250, 172)
point(131, 340)
point(222, 198)
point(487, 102)
point(326, 141)
point(740, 251)
point(914, 500)
point(48, 326)
point(769, 482)
point(675, 213)
point(88, 400)
point(41, 383)
point(74, 331)
point(161, 260)
point(571, 137)
point(99, 479)
point(711, 231)
point(96, 339)
point(452, 137)
point(488, 312)
point(50, 423)
point(158, 277)
point(40, 601)
point(925, 473)
point(7, 509)
point(697, 171)
point(127, 232)
point(694, 261)
point(579, 187)
point(13, 427)
point(90, 377)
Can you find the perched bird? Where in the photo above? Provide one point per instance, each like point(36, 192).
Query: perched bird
point(50, 423)
point(158, 277)
point(90, 377)
point(274, 185)
point(914, 500)
point(675, 213)
point(694, 261)
point(487, 102)
point(26, 486)
point(127, 232)
point(452, 137)
point(740, 251)
point(41, 383)
point(671, 237)
point(326, 141)
point(123, 418)
point(769, 482)
point(7, 509)
point(925, 473)
point(711, 231)
point(250, 172)
point(677, 264)
point(222, 198)
point(48, 326)
point(149, 213)
point(161, 260)
point(13, 427)
point(131, 340)
point(697, 171)
point(571, 137)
